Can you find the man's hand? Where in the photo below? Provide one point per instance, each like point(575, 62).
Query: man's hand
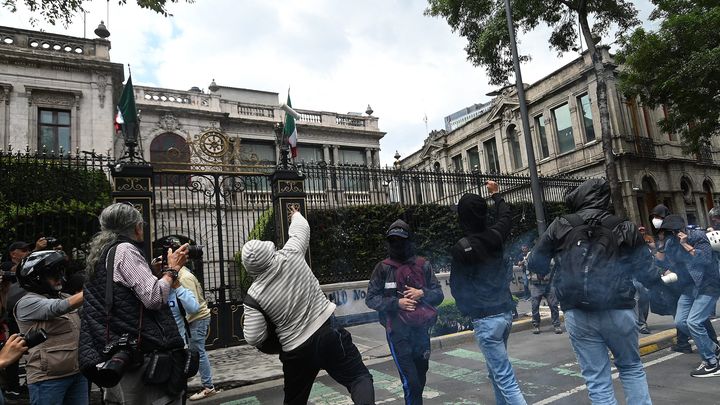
point(406, 304)
point(178, 258)
point(292, 210)
point(12, 351)
point(492, 187)
point(413, 293)
point(682, 236)
point(176, 283)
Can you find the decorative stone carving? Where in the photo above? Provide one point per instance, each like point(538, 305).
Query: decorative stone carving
point(101, 84)
point(169, 122)
point(51, 99)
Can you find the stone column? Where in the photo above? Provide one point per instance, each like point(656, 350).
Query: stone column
point(368, 157)
point(326, 153)
point(336, 155)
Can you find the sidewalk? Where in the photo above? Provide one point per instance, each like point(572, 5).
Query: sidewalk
point(244, 365)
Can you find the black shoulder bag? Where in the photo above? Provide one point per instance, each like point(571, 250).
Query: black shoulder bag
point(271, 344)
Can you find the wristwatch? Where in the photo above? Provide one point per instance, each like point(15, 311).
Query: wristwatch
point(171, 272)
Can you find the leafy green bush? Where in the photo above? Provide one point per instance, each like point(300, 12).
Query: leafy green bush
point(450, 320)
point(51, 197)
point(264, 229)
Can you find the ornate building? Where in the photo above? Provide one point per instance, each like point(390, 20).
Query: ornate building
point(565, 130)
point(56, 92)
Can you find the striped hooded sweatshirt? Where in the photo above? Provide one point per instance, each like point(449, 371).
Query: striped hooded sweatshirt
point(285, 288)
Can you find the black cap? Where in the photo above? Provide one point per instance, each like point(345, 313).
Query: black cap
point(19, 245)
point(673, 222)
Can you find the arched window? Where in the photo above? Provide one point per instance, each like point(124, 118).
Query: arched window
point(170, 151)
point(514, 140)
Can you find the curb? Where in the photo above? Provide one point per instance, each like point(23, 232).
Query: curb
point(657, 341)
point(466, 336)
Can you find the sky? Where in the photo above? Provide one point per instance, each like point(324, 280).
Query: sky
point(334, 55)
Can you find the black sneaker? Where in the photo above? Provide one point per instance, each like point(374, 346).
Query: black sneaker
point(681, 349)
point(706, 370)
point(536, 330)
point(717, 350)
point(558, 330)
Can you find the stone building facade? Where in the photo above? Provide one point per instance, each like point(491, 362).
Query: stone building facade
point(56, 92)
point(565, 130)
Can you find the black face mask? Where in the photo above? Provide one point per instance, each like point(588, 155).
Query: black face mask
point(399, 249)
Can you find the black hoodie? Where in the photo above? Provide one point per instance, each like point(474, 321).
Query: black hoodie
point(479, 280)
point(591, 200)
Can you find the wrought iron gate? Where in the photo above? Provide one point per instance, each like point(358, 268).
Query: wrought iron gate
point(215, 210)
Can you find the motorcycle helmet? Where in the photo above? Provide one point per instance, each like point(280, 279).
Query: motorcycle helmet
point(35, 271)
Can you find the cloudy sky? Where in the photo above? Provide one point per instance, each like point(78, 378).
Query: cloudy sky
point(335, 55)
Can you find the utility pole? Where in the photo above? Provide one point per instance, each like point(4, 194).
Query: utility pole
point(532, 167)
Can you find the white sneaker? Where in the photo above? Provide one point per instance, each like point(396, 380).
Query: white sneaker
point(205, 393)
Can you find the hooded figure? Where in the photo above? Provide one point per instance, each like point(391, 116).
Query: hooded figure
point(288, 295)
point(657, 215)
point(609, 323)
point(399, 246)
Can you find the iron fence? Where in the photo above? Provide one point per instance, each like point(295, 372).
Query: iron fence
point(45, 194)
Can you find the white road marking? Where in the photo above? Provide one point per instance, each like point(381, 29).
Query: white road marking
point(614, 377)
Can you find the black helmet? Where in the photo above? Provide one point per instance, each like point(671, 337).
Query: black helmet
point(35, 270)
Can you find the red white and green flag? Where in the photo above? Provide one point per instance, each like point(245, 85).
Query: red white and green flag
point(126, 116)
point(291, 130)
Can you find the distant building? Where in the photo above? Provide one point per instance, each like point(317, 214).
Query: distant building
point(566, 138)
point(459, 118)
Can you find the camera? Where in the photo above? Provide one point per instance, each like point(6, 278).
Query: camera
point(194, 251)
point(52, 242)
point(34, 337)
point(121, 355)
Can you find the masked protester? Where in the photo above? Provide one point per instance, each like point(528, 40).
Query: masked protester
point(689, 255)
point(480, 283)
point(599, 255)
point(404, 290)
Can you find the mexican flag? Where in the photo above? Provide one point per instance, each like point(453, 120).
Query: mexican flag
point(291, 130)
point(126, 118)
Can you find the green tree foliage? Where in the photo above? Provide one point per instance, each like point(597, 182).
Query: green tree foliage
point(678, 66)
point(53, 11)
point(483, 24)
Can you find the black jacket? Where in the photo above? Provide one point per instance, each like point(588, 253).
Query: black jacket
point(592, 200)
point(679, 261)
point(479, 280)
point(383, 297)
point(159, 330)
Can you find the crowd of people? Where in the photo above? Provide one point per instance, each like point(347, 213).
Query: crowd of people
point(137, 328)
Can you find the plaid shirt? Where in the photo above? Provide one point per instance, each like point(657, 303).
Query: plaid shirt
point(133, 272)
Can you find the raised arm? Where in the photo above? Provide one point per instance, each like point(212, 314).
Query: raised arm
point(298, 233)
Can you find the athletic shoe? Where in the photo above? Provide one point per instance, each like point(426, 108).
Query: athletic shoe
point(706, 370)
point(558, 330)
point(205, 393)
point(12, 395)
point(536, 330)
point(681, 349)
point(644, 330)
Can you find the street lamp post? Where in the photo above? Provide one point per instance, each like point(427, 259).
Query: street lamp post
point(532, 167)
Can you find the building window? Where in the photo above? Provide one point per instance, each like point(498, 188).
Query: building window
point(586, 114)
point(565, 139)
point(493, 163)
point(54, 130)
point(254, 153)
point(540, 125)
point(457, 163)
point(310, 154)
point(473, 158)
point(352, 157)
point(515, 147)
point(168, 152)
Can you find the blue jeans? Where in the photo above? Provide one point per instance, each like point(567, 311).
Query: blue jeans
point(198, 334)
point(592, 333)
point(71, 390)
point(690, 317)
point(492, 334)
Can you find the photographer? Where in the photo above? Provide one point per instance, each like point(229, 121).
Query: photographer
point(126, 321)
point(46, 313)
point(13, 348)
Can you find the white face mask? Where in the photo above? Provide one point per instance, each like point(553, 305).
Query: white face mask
point(657, 222)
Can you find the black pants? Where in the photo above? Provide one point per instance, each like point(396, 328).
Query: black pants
point(410, 348)
point(330, 349)
point(682, 339)
point(538, 291)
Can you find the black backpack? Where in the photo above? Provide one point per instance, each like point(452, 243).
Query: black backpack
point(589, 276)
point(271, 344)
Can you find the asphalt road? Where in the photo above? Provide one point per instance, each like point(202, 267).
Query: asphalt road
point(544, 364)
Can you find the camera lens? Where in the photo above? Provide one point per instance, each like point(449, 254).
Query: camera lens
point(35, 337)
point(111, 372)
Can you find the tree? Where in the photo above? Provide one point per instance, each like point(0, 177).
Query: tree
point(64, 10)
point(483, 23)
point(678, 66)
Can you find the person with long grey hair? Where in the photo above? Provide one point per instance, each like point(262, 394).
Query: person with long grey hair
point(125, 302)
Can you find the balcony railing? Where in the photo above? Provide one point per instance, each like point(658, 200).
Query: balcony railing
point(645, 147)
point(704, 155)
